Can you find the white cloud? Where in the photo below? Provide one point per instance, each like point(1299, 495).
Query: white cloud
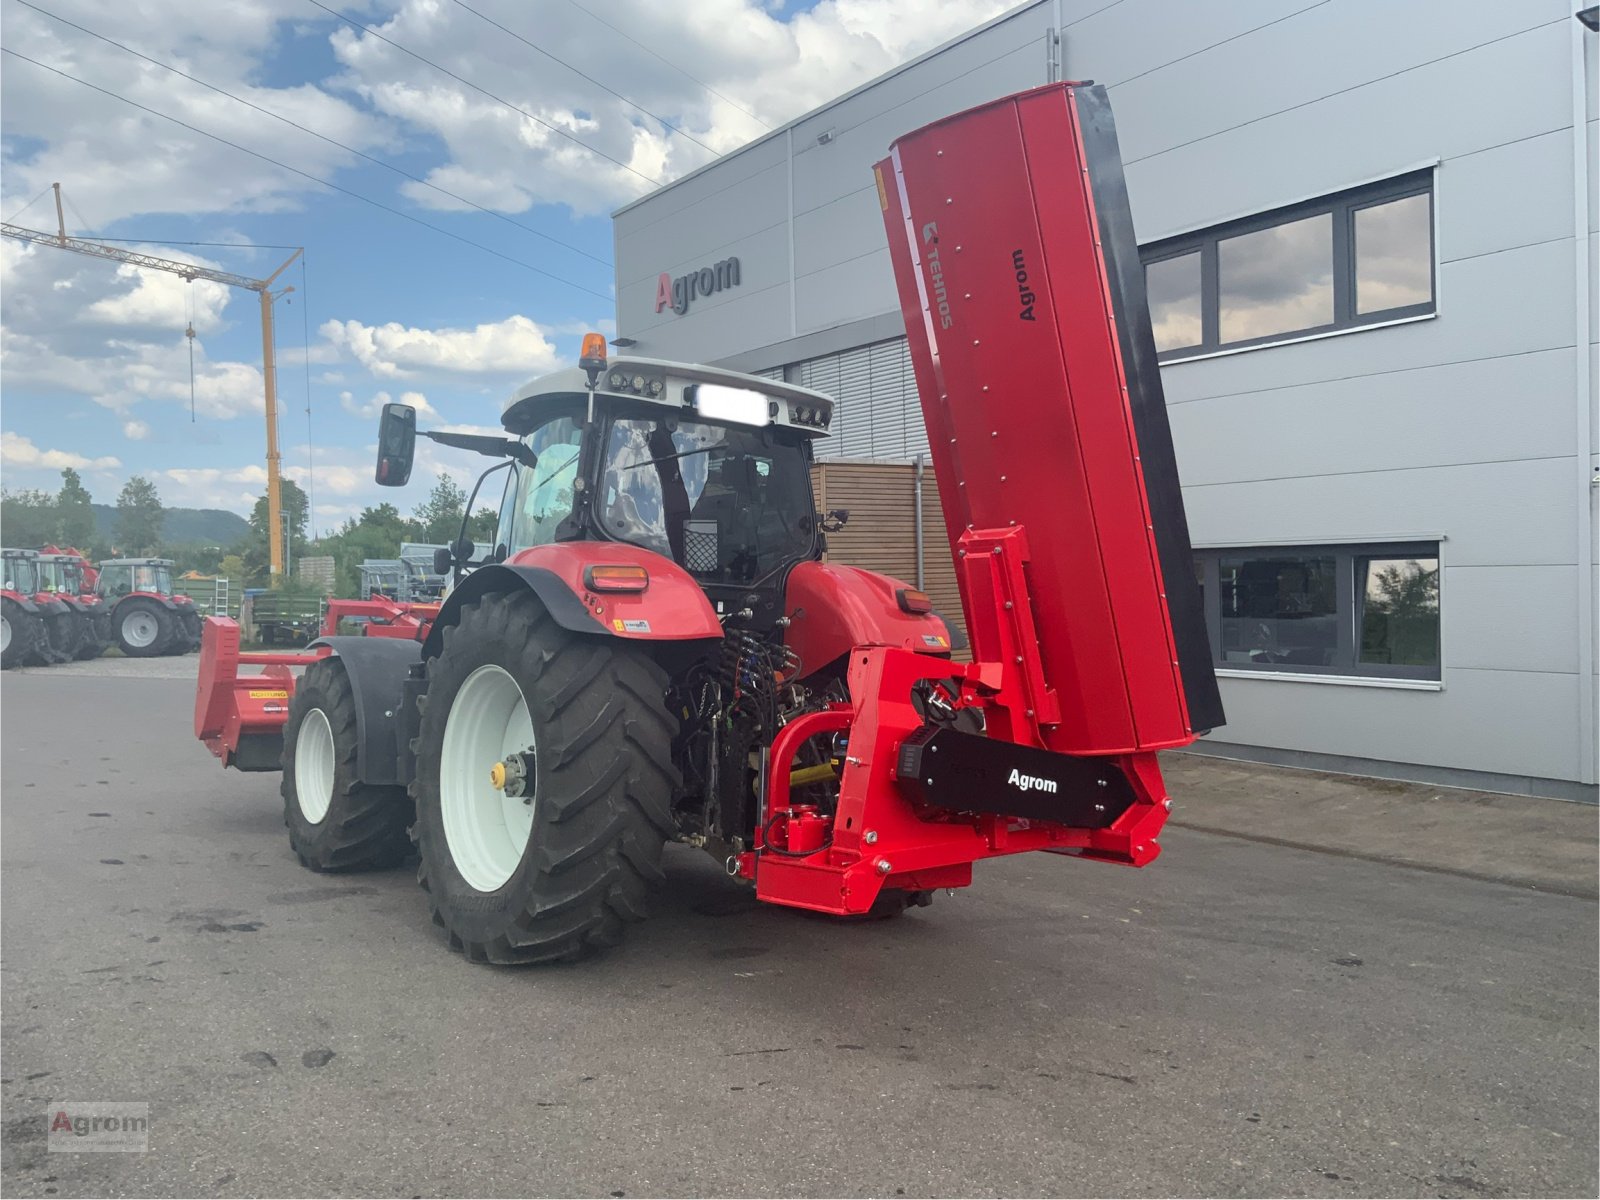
point(515, 346)
point(370, 409)
point(135, 431)
point(19, 452)
point(115, 335)
point(502, 159)
point(119, 161)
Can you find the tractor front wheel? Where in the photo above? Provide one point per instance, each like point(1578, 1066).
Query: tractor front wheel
point(143, 628)
point(557, 871)
point(20, 635)
point(336, 822)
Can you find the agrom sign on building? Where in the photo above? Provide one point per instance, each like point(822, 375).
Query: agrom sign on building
point(677, 294)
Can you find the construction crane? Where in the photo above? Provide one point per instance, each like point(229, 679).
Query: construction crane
point(191, 272)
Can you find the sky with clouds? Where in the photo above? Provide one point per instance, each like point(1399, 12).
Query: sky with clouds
point(513, 129)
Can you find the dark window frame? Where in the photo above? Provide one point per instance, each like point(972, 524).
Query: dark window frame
point(1349, 610)
point(1343, 207)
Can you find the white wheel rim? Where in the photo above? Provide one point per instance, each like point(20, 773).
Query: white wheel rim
point(313, 766)
point(5, 633)
point(139, 628)
point(486, 830)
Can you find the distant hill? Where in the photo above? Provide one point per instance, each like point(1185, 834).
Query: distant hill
point(184, 526)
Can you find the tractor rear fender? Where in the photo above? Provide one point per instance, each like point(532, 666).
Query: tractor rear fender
point(834, 608)
point(671, 608)
point(376, 668)
point(23, 602)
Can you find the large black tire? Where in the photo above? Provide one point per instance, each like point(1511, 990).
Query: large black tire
point(64, 632)
point(97, 633)
point(21, 636)
point(129, 622)
point(362, 826)
point(186, 631)
point(602, 791)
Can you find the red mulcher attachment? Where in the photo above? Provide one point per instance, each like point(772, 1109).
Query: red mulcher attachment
point(240, 718)
point(1023, 294)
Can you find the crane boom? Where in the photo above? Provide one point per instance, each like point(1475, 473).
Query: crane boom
point(192, 271)
point(189, 271)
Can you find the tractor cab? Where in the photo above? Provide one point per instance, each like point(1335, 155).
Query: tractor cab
point(61, 574)
point(705, 467)
point(21, 568)
point(129, 576)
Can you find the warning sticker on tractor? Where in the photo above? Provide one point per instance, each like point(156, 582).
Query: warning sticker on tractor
point(269, 694)
point(622, 626)
point(935, 639)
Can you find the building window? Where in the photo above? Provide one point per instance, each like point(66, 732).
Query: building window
point(1358, 258)
point(1368, 610)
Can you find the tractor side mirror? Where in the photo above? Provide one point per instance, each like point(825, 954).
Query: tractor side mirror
point(442, 560)
point(397, 444)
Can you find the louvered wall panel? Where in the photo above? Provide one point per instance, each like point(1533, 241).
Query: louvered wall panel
point(876, 412)
point(881, 533)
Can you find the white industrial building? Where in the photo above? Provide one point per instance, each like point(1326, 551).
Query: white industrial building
point(1370, 233)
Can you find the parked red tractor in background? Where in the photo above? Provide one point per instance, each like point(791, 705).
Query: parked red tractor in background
point(147, 617)
point(656, 649)
point(36, 627)
point(61, 573)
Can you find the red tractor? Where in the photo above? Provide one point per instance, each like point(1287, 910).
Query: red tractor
point(656, 650)
point(147, 617)
point(36, 626)
point(61, 573)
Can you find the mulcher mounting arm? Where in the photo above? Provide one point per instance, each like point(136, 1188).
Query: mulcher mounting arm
point(1023, 295)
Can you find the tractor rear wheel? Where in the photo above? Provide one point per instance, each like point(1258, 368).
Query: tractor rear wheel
point(143, 628)
point(20, 635)
point(558, 873)
point(336, 822)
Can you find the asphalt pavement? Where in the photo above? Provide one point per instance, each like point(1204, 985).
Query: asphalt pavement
point(1244, 1017)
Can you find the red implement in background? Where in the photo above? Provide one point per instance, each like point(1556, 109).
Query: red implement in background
point(1023, 296)
point(240, 716)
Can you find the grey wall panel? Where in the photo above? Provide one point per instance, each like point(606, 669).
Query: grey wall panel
point(858, 288)
point(1503, 408)
point(1494, 305)
point(1443, 110)
point(1511, 722)
point(1503, 618)
point(845, 228)
point(747, 208)
point(709, 185)
point(1324, 51)
point(1110, 43)
point(1492, 514)
point(1486, 205)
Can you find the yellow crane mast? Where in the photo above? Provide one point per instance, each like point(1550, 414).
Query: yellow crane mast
point(189, 271)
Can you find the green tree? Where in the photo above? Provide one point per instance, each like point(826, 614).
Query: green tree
point(482, 526)
point(256, 550)
point(438, 518)
point(74, 511)
point(139, 517)
point(28, 518)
